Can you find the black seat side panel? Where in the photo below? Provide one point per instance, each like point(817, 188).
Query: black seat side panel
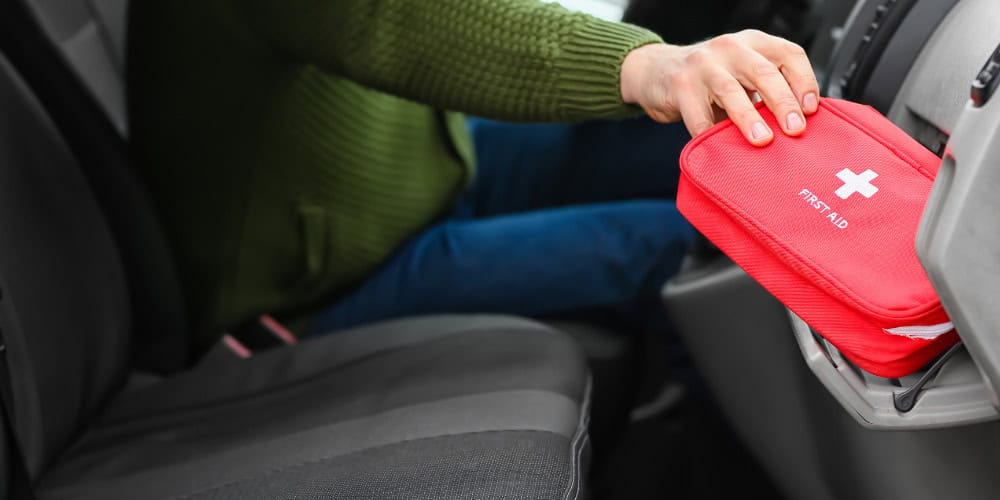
point(158, 310)
point(64, 297)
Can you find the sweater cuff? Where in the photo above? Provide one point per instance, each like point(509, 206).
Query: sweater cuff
point(589, 69)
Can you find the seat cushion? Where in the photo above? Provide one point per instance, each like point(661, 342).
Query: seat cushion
point(435, 407)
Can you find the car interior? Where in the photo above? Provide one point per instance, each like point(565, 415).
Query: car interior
point(105, 395)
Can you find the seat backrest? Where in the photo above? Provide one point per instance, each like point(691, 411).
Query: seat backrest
point(64, 306)
point(162, 338)
point(91, 36)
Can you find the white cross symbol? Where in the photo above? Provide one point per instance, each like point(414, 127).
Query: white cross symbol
point(855, 183)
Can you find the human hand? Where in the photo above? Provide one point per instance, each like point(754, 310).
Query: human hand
point(704, 82)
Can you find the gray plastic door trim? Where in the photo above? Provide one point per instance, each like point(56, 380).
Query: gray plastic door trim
point(959, 238)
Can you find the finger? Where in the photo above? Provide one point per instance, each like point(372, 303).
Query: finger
point(794, 65)
point(691, 101)
point(770, 83)
point(730, 95)
point(696, 112)
point(799, 75)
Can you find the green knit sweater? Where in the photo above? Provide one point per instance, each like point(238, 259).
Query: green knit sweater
point(292, 145)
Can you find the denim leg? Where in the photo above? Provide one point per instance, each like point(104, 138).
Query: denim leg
point(525, 167)
point(530, 263)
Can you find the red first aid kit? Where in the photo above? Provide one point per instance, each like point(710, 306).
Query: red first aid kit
point(827, 223)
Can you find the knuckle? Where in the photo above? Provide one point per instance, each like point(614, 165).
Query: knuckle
point(696, 57)
point(800, 78)
point(808, 83)
point(802, 75)
point(752, 33)
point(764, 69)
point(745, 115)
point(724, 42)
point(785, 101)
point(794, 49)
point(725, 85)
point(807, 78)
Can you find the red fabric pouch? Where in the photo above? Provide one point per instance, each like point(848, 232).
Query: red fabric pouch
point(827, 223)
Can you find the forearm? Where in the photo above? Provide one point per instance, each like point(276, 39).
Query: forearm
point(504, 59)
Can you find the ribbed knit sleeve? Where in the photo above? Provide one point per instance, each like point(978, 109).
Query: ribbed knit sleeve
point(504, 59)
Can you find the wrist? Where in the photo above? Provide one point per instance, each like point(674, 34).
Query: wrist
point(634, 64)
point(637, 67)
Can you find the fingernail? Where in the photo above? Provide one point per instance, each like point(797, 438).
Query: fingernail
point(810, 101)
point(794, 121)
point(759, 131)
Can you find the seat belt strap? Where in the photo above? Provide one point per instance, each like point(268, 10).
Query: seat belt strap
point(19, 481)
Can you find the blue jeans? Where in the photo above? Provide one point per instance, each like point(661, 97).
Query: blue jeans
point(560, 218)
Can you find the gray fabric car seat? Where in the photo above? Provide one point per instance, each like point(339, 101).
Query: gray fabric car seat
point(446, 407)
point(90, 36)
